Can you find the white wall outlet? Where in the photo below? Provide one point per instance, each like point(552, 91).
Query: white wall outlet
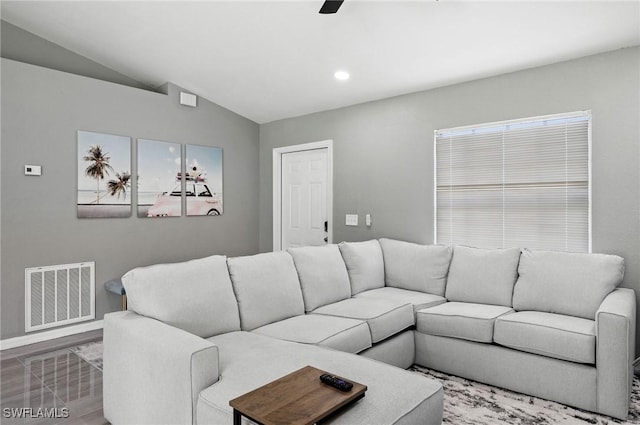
point(32, 170)
point(351, 220)
point(367, 220)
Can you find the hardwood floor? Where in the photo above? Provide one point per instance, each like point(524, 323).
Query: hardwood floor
point(46, 383)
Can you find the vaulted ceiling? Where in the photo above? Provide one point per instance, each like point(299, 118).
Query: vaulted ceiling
point(268, 60)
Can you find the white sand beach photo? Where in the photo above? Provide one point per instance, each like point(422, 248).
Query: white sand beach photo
point(104, 175)
point(159, 183)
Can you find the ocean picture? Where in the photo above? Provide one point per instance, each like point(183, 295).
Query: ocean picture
point(104, 175)
point(159, 180)
point(203, 180)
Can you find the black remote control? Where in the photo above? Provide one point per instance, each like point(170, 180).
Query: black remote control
point(336, 382)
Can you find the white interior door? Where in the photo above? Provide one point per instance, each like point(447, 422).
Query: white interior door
point(304, 194)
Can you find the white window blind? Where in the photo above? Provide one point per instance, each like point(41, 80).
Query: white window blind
point(522, 183)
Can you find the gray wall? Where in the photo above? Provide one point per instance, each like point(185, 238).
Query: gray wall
point(23, 46)
point(383, 151)
point(42, 110)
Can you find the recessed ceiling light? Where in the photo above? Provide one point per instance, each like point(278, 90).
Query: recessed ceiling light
point(341, 75)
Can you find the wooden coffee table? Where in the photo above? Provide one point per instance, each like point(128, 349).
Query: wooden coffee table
point(297, 398)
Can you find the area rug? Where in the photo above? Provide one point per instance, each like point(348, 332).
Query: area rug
point(473, 403)
point(91, 353)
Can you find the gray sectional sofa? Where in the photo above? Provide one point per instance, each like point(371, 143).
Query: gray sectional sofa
point(200, 333)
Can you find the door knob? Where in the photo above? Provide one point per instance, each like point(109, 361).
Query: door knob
point(326, 226)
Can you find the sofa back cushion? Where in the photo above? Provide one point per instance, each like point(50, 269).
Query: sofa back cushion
point(365, 264)
point(566, 283)
point(267, 288)
point(323, 275)
point(483, 276)
point(195, 296)
point(416, 267)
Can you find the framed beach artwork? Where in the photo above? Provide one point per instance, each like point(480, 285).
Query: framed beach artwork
point(104, 175)
point(203, 180)
point(159, 179)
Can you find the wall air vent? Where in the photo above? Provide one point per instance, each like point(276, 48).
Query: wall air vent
point(59, 295)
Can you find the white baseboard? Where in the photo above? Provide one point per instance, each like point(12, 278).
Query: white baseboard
point(19, 341)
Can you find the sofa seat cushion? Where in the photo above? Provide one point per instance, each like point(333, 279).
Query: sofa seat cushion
point(548, 334)
point(323, 275)
point(416, 267)
point(566, 283)
point(483, 276)
point(162, 291)
point(249, 360)
point(418, 300)
point(365, 264)
point(342, 334)
point(473, 322)
point(384, 317)
point(267, 288)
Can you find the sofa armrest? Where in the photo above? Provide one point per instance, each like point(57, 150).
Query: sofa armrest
point(615, 350)
point(153, 372)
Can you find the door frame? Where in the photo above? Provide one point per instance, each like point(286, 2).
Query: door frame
point(277, 186)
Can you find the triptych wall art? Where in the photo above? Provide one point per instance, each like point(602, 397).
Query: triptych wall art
point(170, 177)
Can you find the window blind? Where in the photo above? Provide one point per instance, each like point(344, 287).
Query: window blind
point(522, 183)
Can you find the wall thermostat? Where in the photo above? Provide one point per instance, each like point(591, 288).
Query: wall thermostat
point(32, 170)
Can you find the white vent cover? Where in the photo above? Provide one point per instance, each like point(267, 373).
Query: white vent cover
point(188, 99)
point(59, 295)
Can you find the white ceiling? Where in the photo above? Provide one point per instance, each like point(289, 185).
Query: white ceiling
point(269, 60)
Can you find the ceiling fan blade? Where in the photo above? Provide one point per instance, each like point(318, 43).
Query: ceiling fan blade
point(330, 6)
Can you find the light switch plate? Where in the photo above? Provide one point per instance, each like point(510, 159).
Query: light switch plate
point(351, 220)
point(367, 220)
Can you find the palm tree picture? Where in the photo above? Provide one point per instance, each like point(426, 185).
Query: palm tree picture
point(101, 191)
point(120, 185)
point(98, 167)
